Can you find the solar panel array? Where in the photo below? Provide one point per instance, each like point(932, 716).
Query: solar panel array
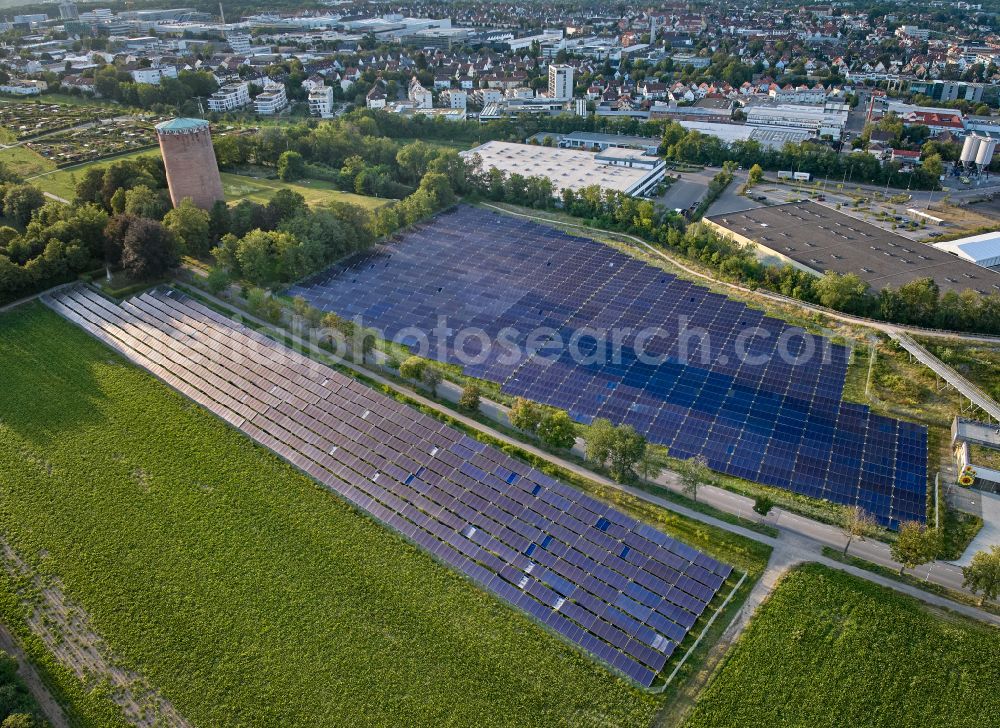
point(773, 419)
point(620, 589)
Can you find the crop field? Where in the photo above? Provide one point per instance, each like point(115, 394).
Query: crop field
point(244, 593)
point(827, 649)
point(317, 193)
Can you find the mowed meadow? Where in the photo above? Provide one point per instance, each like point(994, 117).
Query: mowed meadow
point(244, 593)
point(829, 650)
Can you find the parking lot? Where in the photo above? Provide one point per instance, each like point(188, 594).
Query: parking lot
point(688, 189)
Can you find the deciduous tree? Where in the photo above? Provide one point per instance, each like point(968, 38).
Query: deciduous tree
point(599, 440)
point(556, 429)
point(413, 368)
point(291, 166)
point(857, 522)
point(627, 449)
point(915, 544)
point(470, 398)
point(148, 250)
point(694, 472)
point(190, 225)
point(525, 415)
point(983, 574)
point(19, 201)
point(431, 377)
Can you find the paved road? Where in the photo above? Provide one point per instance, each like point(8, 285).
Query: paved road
point(57, 198)
point(686, 191)
point(921, 199)
point(989, 536)
point(808, 535)
point(731, 200)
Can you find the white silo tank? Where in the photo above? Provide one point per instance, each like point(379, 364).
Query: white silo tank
point(970, 148)
point(984, 155)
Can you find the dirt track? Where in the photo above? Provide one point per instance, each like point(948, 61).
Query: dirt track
point(50, 707)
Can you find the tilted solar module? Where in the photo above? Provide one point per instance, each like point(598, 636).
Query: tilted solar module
point(759, 399)
point(620, 589)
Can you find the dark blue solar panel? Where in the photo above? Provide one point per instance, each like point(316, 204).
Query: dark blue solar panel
point(774, 421)
point(522, 535)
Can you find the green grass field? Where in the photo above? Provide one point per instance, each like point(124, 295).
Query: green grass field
point(24, 161)
point(317, 193)
point(828, 649)
point(244, 592)
point(62, 182)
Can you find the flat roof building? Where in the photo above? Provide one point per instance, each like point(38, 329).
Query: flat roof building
point(624, 170)
point(560, 82)
point(819, 121)
point(230, 97)
point(321, 102)
point(271, 100)
point(599, 141)
point(816, 239)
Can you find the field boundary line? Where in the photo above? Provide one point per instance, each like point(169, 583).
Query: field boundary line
point(711, 621)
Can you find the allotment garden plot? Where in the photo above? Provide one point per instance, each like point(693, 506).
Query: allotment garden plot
point(758, 398)
point(26, 120)
point(100, 139)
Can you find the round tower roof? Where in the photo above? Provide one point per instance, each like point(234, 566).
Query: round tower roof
point(181, 125)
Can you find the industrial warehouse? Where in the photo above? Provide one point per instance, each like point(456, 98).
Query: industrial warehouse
point(816, 239)
point(621, 169)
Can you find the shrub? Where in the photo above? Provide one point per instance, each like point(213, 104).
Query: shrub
point(260, 303)
point(217, 280)
point(763, 505)
point(412, 368)
point(470, 398)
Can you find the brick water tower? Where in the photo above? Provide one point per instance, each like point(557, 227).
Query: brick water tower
point(186, 146)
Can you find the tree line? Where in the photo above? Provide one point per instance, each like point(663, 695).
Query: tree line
point(818, 158)
point(275, 243)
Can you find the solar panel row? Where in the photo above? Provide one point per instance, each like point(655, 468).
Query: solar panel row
point(759, 398)
point(622, 590)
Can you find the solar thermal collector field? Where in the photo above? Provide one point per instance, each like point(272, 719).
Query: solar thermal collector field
point(778, 420)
